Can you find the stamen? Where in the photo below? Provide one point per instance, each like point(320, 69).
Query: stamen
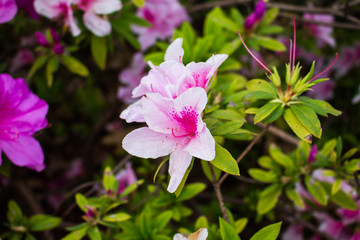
point(262, 64)
point(325, 69)
point(152, 89)
point(179, 59)
point(294, 48)
point(185, 135)
point(290, 52)
point(211, 81)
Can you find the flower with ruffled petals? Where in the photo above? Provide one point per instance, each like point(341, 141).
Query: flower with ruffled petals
point(8, 10)
point(174, 127)
point(164, 16)
point(22, 114)
point(100, 26)
point(58, 9)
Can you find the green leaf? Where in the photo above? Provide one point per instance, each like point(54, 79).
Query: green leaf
point(224, 161)
point(139, 3)
point(349, 153)
point(296, 126)
point(162, 219)
point(14, 213)
point(94, 233)
point(207, 172)
point(340, 197)
point(295, 197)
point(261, 85)
point(336, 186)
point(182, 184)
point(156, 58)
point(51, 67)
point(352, 165)
point(258, 95)
point(74, 65)
point(76, 235)
point(240, 225)
point(117, 217)
point(328, 147)
point(308, 118)
point(227, 127)
point(263, 176)
point(99, 50)
point(132, 187)
point(268, 198)
point(30, 237)
point(230, 47)
point(270, 30)
point(316, 190)
point(133, 19)
point(122, 27)
point(270, 43)
point(269, 17)
point(201, 48)
point(82, 202)
point(320, 107)
point(265, 111)
point(108, 179)
point(218, 16)
point(201, 222)
point(227, 114)
point(278, 112)
point(270, 232)
point(39, 62)
point(145, 223)
point(191, 190)
point(42, 222)
point(281, 158)
point(227, 231)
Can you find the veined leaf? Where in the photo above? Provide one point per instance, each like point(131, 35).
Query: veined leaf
point(224, 161)
point(227, 231)
point(270, 232)
point(268, 198)
point(265, 111)
point(261, 85)
point(296, 126)
point(308, 118)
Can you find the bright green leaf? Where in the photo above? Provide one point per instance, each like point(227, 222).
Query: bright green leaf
point(191, 190)
point(268, 198)
point(296, 126)
point(94, 233)
point(227, 231)
point(117, 217)
point(99, 50)
point(224, 161)
point(74, 65)
point(42, 222)
point(270, 232)
point(308, 118)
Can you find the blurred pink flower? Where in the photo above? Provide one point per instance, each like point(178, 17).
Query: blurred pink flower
point(347, 60)
point(54, 43)
point(293, 232)
point(174, 127)
point(330, 226)
point(75, 170)
point(125, 177)
point(322, 34)
point(8, 10)
point(257, 15)
point(22, 58)
point(22, 114)
point(313, 153)
point(164, 15)
point(58, 9)
point(98, 25)
point(28, 6)
point(131, 77)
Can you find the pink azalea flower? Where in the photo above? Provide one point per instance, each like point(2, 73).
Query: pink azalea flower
point(164, 15)
point(257, 15)
point(293, 232)
point(100, 26)
point(172, 78)
point(323, 34)
point(125, 177)
point(329, 225)
point(58, 9)
point(22, 58)
point(347, 60)
point(356, 236)
point(22, 114)
point(349, 216)
point(131, 77)
point(8, 10)
point(28, 7)
point(174, 127)
point(313, 153)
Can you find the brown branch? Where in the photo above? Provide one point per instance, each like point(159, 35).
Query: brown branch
point(30, 198)
point(222, 3)
point(219, 196)
point(247, 149)
point(281, 134)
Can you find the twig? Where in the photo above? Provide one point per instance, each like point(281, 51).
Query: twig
point(28, 195)
point(248, 180)
point(281, 134)
point(247, 149)
point(209, 5)
point(219, 196)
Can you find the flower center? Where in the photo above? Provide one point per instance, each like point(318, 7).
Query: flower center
point(187, 119)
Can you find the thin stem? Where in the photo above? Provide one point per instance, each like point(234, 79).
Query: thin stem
point(247, 149)
point(290, 52)
point(216, 185)
point(294, 46)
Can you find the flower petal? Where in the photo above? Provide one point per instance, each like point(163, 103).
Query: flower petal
point(175, 51)
point(202, 146)
point(133, 113)
point(195, 97)
point(96, 24)
point(25, 151)
point(146, 143)
point(179, 162)
point(106, 6)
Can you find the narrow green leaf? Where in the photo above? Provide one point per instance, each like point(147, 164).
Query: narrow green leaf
point(230, 47)
point(108, 179)
point(320, 107)
point(74, 65)
point(99, 50)
point(295, 197)
point(162, 219)
point(94, 233)
point(206, 169)
point(261, 85)
point(296, 126)
point(263, 176)
point(81, 201)
point(270, 43)
point(270, 232)
point(265, 111)
point(281, 158)
point(76, 235)
point(132, 187)
point(139, 3)
point(227, 114)
point(268, 198)
point(191, 190)
point(39, 62)
point(227, 127)
point(269, 17)
point(336, 186)
point(308, 118)
point(51, 67)
point(117, 217)
point(224, 161)
point(240, 225)
point(278, 112)
point(42, 222)
point(270, 30)
point(219, 18)
point(316, 190)
point(340, 197)
point(349, 153)
point(182, 184)
point(258, 95)
point(227, 231)
point(201, 222)
point(14, 213)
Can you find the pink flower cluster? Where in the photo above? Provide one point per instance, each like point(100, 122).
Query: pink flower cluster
point(164, 16)
point(63, 10)
point(173, 97)
point(22, 114)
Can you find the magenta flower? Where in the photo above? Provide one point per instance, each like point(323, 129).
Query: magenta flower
point(54, 44)
point(58, 9)
point(330, 226)
point(99, 26)
point(172, 78)
point(313, 153)
point(125, 177)
point(22, 114)
point(323, 34)
point(8, 10)
point(257, 15)
point(164, 15)
point(131, 77)
point(28, 7)
point(174, 127)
